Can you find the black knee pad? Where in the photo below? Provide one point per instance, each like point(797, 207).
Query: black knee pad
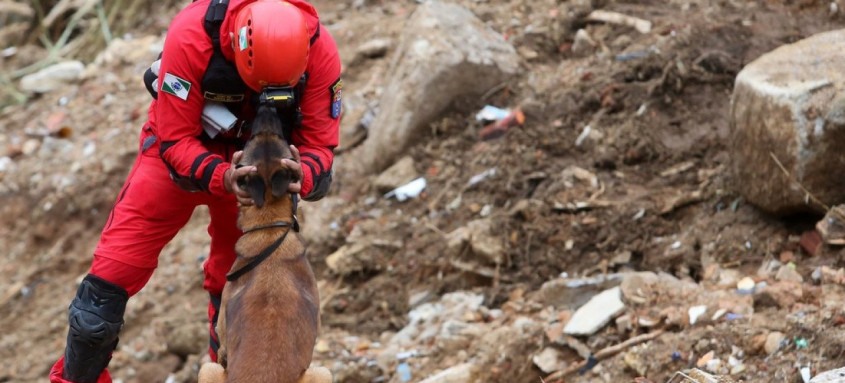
point(95, 317)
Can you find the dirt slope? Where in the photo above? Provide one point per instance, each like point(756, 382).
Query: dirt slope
point(657, 106)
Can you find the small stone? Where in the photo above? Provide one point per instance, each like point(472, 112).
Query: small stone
point(780, 294)
point(401, 173)
point(706, 358)
point(30, 146)
point(549, 360)
point(773, 342)
point(322, 347)
point(350, 259)
point(788, 273)
point(187, 339)
point(811, 242)
point(459, 374)
point(374, 48)
point(596, 313)
point(583, 43)
point(745, 285)
point(52, 77)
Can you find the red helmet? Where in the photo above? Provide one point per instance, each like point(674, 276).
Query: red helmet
point(271, 44)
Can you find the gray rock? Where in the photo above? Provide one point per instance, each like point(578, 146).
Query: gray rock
point(186, 339)
point(319, 219)
point(399, 174)
point(787, 105)
point(583, 43)
point(52, 77)
point(478, 235)
point(832, 376)
point(461, 373)
point(373, 49)
point(773, 341)
point(446, 54)
point(549, 360)
point(570, 293)
point(600, 310)
point(350, 259)
point(788, 273)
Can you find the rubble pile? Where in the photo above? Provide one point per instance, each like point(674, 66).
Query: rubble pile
point(525, 191)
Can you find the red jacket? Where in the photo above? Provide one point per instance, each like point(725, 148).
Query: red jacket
point(176, 122)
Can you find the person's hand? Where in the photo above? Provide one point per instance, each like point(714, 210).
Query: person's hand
point(230, 179)
point(296, 185)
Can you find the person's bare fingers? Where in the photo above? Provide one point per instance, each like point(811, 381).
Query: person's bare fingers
point(295, 187)
point(237, 156)
point(242, 195)
point(295, 166)
point(295, 153)
point(244, 171)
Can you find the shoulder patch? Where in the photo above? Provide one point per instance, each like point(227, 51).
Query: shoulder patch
point(336, 91)
point(176, 86)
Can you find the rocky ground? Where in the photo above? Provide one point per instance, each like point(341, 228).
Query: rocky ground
point(599, 240)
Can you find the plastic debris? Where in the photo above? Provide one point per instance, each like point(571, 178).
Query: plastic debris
point(479, 178)
point(801, 343)
point(718, 314)
point(695, 313)
point(404, 372)
point(676, 356)
point(805, 374)
point(408, 191)
point(592, 361)
point(583, 136)
point(500, 126)
point(491, 114)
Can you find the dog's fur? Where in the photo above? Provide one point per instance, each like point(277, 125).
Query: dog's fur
point(269, 317)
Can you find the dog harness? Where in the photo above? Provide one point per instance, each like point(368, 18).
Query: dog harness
point(269, 250)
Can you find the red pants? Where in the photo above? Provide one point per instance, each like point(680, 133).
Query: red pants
point(149, 211)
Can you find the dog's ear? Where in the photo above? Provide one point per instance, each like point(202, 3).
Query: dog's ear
point(255, 188)
point(280, 181)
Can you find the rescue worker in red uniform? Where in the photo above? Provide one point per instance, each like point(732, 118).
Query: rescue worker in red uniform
point(217, 51)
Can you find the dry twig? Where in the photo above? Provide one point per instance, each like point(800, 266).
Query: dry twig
point(809, 196)
point(606, 353)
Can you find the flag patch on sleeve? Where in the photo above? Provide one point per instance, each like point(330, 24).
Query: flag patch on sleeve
point(176, 86)
point(336, 91)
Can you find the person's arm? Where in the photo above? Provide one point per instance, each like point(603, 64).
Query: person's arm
point(187, 51)
point(321, 112)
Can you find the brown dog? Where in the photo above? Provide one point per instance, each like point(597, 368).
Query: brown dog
point(269, 315)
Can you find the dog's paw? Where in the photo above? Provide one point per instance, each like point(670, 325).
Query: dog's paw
point(212, 373)
point(316, 375)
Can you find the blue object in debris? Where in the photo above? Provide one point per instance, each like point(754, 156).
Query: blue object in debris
point(591, 362)
point(404, 372)
point(676, 356)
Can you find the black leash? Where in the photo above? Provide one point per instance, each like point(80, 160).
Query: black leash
point(261, 257)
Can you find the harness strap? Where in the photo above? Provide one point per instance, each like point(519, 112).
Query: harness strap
point(233, 276)
point(268, 226)
point(214, 16)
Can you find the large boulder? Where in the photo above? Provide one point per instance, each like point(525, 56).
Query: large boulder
point(446, 53)
point(788, 127)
